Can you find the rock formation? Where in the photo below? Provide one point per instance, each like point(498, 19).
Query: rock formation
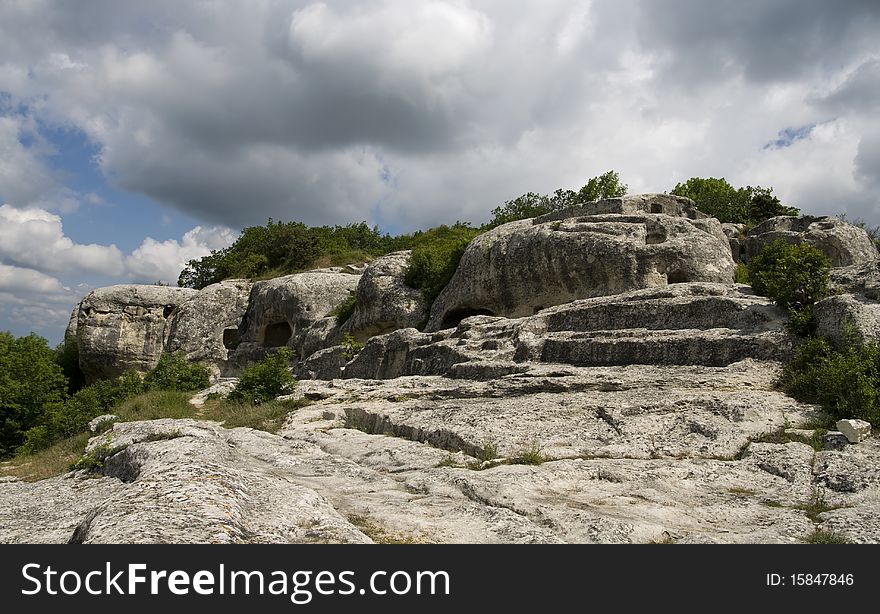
point(384, 302)
point(206, 328)
point(843, 243)
point(593, 375)
point(121, 328)
point(599, 249)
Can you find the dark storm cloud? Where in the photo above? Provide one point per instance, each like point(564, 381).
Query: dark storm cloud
point(765, 41)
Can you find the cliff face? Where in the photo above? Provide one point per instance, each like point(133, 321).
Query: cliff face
point(594, 376)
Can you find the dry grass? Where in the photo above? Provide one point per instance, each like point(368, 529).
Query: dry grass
point(47, 463)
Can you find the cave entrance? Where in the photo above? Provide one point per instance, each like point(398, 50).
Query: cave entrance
point(231, 338)
point(276, 334)
point(676, 277)
point(454, 317)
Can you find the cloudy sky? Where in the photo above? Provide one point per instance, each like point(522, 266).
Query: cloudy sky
point(137, 135)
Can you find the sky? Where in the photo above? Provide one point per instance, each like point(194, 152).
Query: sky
point(135, 136)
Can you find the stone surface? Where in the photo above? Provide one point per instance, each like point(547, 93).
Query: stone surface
point(287, 311)
point(861, 279)
point(854, 430)
point(689, 323)
point(632, 454)
point(95, 424)
point(522, 267)
point(848, 318)
point(843, 243)
point(206, 328)
point(384, 302)
point(736, 234)
point(121, 328)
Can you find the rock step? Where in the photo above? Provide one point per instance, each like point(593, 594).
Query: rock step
point(691, 312)
point(713, 347)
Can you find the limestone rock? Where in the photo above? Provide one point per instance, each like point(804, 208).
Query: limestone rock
point(834, 440)
point(689, 323)
point(384, 302)
point(736, 234)
point(281, 311)
point(522, 267)
point(124, 327)
point(206, 328)
point(854, 430)
point(96, 424)
point(862, 279)
point(846, 317)
point(843, 243)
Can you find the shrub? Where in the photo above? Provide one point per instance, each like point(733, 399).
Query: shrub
point(30, 380)
point(266, 379)
point(795, 277)
point(435, 257)
point(741, 276)
point(174, 372)
point(844, 381)
point(67, 357)
point(351, 347)
point(344, 309)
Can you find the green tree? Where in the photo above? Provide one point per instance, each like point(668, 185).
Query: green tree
point(748, 205)
point(531, 205)
point(435, 256)
point(794, 276)
point(30, 380)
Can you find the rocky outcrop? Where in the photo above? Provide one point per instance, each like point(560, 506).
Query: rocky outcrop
point(847, 318)
point(626, 454)
point(736, 234)
point(843, 243)
point(121, 328)
point(694, 323)
point(206, 328)
point(293, 311)
point(598, 249)
point(384, 302)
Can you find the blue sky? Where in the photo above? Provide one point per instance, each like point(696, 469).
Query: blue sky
point(135, 136)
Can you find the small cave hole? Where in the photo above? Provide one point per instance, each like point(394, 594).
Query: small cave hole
point(676, 277)
point(454, 317)
point(656, 208)
point(231, 338)
point(276, 334)
point(167, 310)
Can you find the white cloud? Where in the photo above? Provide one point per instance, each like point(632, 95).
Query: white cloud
point(35, 238)
point(163, 260)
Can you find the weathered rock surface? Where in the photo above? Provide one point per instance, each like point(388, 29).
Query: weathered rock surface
point(384, 302)
point(736, 234)
point(847, 317)
point(287, 311)
point(843, 243)
point(689, 323)
point(631, 454)
point(121, 328)
point(206, 328)
point(522, 267)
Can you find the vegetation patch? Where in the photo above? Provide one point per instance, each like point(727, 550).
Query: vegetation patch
point(825, 537)
point(266, 379)
point(174, 372)
point(93, 462)
point(351, 347)
point(344, 310)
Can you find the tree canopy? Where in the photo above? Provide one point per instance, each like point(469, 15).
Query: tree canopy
point(748, 205)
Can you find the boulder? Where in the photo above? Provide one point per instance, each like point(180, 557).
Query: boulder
point(862, 279)
point(384, 302)
point(736, 234)
point(854, 430)
point(124, 327)
point(843, 243)
point(206, 328)
point(598, 249)
point(847, 317)
point(292, 310)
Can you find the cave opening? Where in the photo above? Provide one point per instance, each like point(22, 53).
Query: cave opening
point(231, 338)
point(277, 334)
point(453, 318)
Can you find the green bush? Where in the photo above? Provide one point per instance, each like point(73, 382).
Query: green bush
point(67, 357)
point(344, 309)
point(266, 379)
point(795, 277)
point(843, 380)
point(174, 372)
point(30, 380)
point(435, 257)
point(748, 205)
point(351, 347)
